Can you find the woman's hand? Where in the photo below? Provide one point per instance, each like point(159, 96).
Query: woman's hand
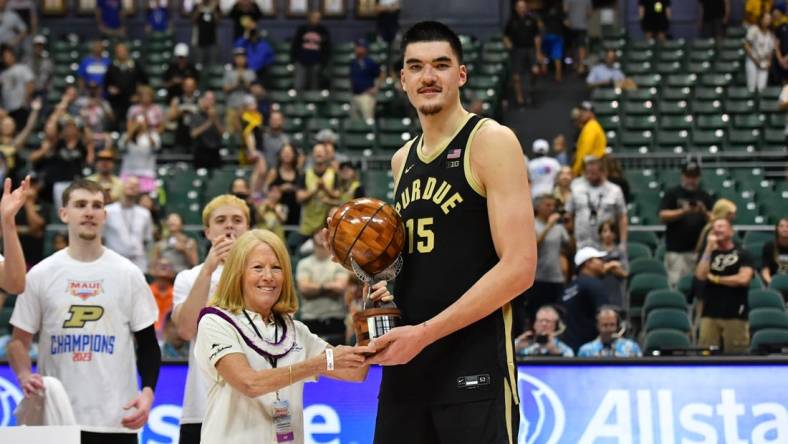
point(350, 357)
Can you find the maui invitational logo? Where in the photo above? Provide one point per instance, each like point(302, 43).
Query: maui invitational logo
point(10, 396)
point(542, 415)
point(85, 289)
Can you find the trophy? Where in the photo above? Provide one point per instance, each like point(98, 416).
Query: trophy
point(367, 236)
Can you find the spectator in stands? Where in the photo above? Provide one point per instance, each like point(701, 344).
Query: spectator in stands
point(96, 113)
point(755, 9)
point(726, 271)
point(550, 237)
point(782, 103)
point(252, 136)
point(157, 14)
point(714, 18)
point(595, 200)
point(259, 53)
point(759, 46)
point(553, 18)
point(584, 296)
point(178, 71)
point(316, 187)
point(364, 77)
point(183, 108)
point(174, 347)
point(655, 18)
point(286, 177)
point(606, 74)
point(542, 169)
point(722, 209)
point(205, 19)
point(175, 247)
point(129, 228)
point(329, 138)
point(543, 339)
point(684, 211)
point(562, 190)
point(17, 83)
point(350, 185)
point(123, 78)
point(243, 10)
point(140, 144)
point(780, 29)
point(237, 82)
point(616, 269)
point(13, 29)
point(12, 144)
point(774, 255)
point(322, 284)
point(272, 214)
point(560, 150)
point(387, 15)
point(604, 15)
point(105, 176)
point(592, 140)
point(109, 18)
point(274, 137)
point(609, 343)
point(27, 11)
point(578, 13)
point(239, 188)
point(615, 174)
point(150, 111)
point(310, 51)
point(163, 276)
point(41, 65)
point(93, 67)
point(206, 132)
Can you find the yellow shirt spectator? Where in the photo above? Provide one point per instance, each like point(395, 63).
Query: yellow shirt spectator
point(592, 142)
point(754, 9)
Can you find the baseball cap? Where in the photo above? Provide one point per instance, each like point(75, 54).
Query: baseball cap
point(181, 50)
point(326, 135)
point(240, 50)
point(586, 106)
point(40, 39)
point(541, 146)
point(361, 41)
point(586, 253)
point(690, 168)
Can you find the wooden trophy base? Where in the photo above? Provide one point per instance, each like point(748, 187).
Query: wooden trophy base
point(374, 322)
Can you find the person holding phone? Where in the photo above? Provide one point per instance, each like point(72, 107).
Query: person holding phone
point(543, 339)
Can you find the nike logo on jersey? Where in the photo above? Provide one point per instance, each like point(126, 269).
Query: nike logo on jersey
point(408, 169)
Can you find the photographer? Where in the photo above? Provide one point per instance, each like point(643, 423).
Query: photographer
point(543, 340)
point(610, 341)
point(684, 211)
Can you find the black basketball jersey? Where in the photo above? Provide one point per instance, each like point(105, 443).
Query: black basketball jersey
point(448, 248)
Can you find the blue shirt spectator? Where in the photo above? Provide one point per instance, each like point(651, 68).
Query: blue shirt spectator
point(259, 53)
point(544, 337)
point(619, 348)
point(605, 74)
point(93, 67)
point(158, 15)
point(583, 297)
point(363, 73)
point(109, 14)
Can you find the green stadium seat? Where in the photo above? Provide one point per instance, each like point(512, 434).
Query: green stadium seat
point(639, 107)
point(701, 44)
point(740, 106)
point(659, 299)
point(771, 93)
point(706, 107)
point(756, 283)
point(646, 265)
point(605, 94)
point(772, 136)
point(758, 236)
point(635, 68)
point(359, 141)
point(610, 122)
point(749, 121)
point(768, 106)
point(640, 285)
point(675, 55)
point(647, 80)
point(712, 121)
point(636, 250)
point(644, 237)
point(641, 94)
point(302, 110)
point(668, 318)
point(732, 44)
point(744, 137)
point(780, 283)
point(677, 122)
point(672, 45)
point(5, 320)
point(682, 80)
point(768, 339)
point(776, 121)
point(685, 285)
point(697, 68)
point(640, 123)
point(665, 340)
point(640, 140)
point(667, 68)
point(603, 108)
point(701, 55)
point(761, 318)
point(635, 55)
point(316, 124)
point(677, 93)
point(708, 93)
point(708, 138)
point(766, 298)
point(641, 45)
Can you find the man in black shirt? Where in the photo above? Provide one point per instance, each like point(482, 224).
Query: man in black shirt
point(524, 42)
point(654, 18)
point(775, 253)
point(183, 107)
point(123, 78)
point(241, 9)
point(205, 19)
point(726, 271)
point(714, 17)
point(310, 51)
point(684, 211)
point(583, 297)
point(178, 71)
point(206, 132)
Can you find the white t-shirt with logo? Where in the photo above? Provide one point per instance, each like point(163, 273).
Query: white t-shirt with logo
point(196, 392)
point(230, 413)
point(85, 314)
point(542, 172)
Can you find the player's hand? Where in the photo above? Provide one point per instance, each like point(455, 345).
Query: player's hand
point(142, 403)
point(13, 201)
point(350, 357)
point(379, 292)
point(220, 248)
point(32, 384)
point(398, 346)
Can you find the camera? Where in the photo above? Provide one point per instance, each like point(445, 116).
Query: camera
point(542, 339)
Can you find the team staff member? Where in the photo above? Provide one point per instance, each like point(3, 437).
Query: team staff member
point(462, 190)
point(89, 306)
point(224, 218)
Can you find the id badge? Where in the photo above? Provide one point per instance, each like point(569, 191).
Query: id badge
point(283, 424)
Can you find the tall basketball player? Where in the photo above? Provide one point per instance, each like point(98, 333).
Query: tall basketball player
point(93, 314)
point(462, 190)
point(225, 218)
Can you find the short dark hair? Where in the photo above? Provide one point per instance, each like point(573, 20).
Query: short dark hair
point(431, 31)
point(81, 184)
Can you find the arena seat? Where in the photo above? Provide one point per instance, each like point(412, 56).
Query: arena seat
point(768, 338)
point(668, 318)
point(657, 299)
point(640, 285)
point(665, 340)
point(646, 265)
point(765, 298)
point(636, 250)
point(762, 318)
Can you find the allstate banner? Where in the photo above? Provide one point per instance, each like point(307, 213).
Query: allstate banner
point(600, 404)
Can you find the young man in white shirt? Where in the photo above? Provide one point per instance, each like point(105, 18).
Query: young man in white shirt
point(129, 226)
point(12, 267)
point(89, 306)
point(225, 218)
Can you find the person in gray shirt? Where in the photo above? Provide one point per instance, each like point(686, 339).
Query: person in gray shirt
point(595, 200)
point(17, 87)
point(12, 28)
point(237, 83)
point(577, 14)
point(41, 65)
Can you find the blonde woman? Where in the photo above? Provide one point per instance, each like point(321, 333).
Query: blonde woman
point(722, 209)
point(256, 355)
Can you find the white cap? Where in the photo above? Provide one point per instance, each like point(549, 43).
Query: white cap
point(587, 253)
point(181, 50)
point(541, 146)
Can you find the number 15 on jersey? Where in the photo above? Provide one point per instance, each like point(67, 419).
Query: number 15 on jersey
point(420, 235)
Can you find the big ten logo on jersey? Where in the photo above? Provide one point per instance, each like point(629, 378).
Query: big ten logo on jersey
point(430, 191)
point(85, 289)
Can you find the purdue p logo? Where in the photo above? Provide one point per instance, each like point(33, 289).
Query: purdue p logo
point(80, 314)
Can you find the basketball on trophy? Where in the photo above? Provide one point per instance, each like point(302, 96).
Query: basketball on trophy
point(368, 232)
